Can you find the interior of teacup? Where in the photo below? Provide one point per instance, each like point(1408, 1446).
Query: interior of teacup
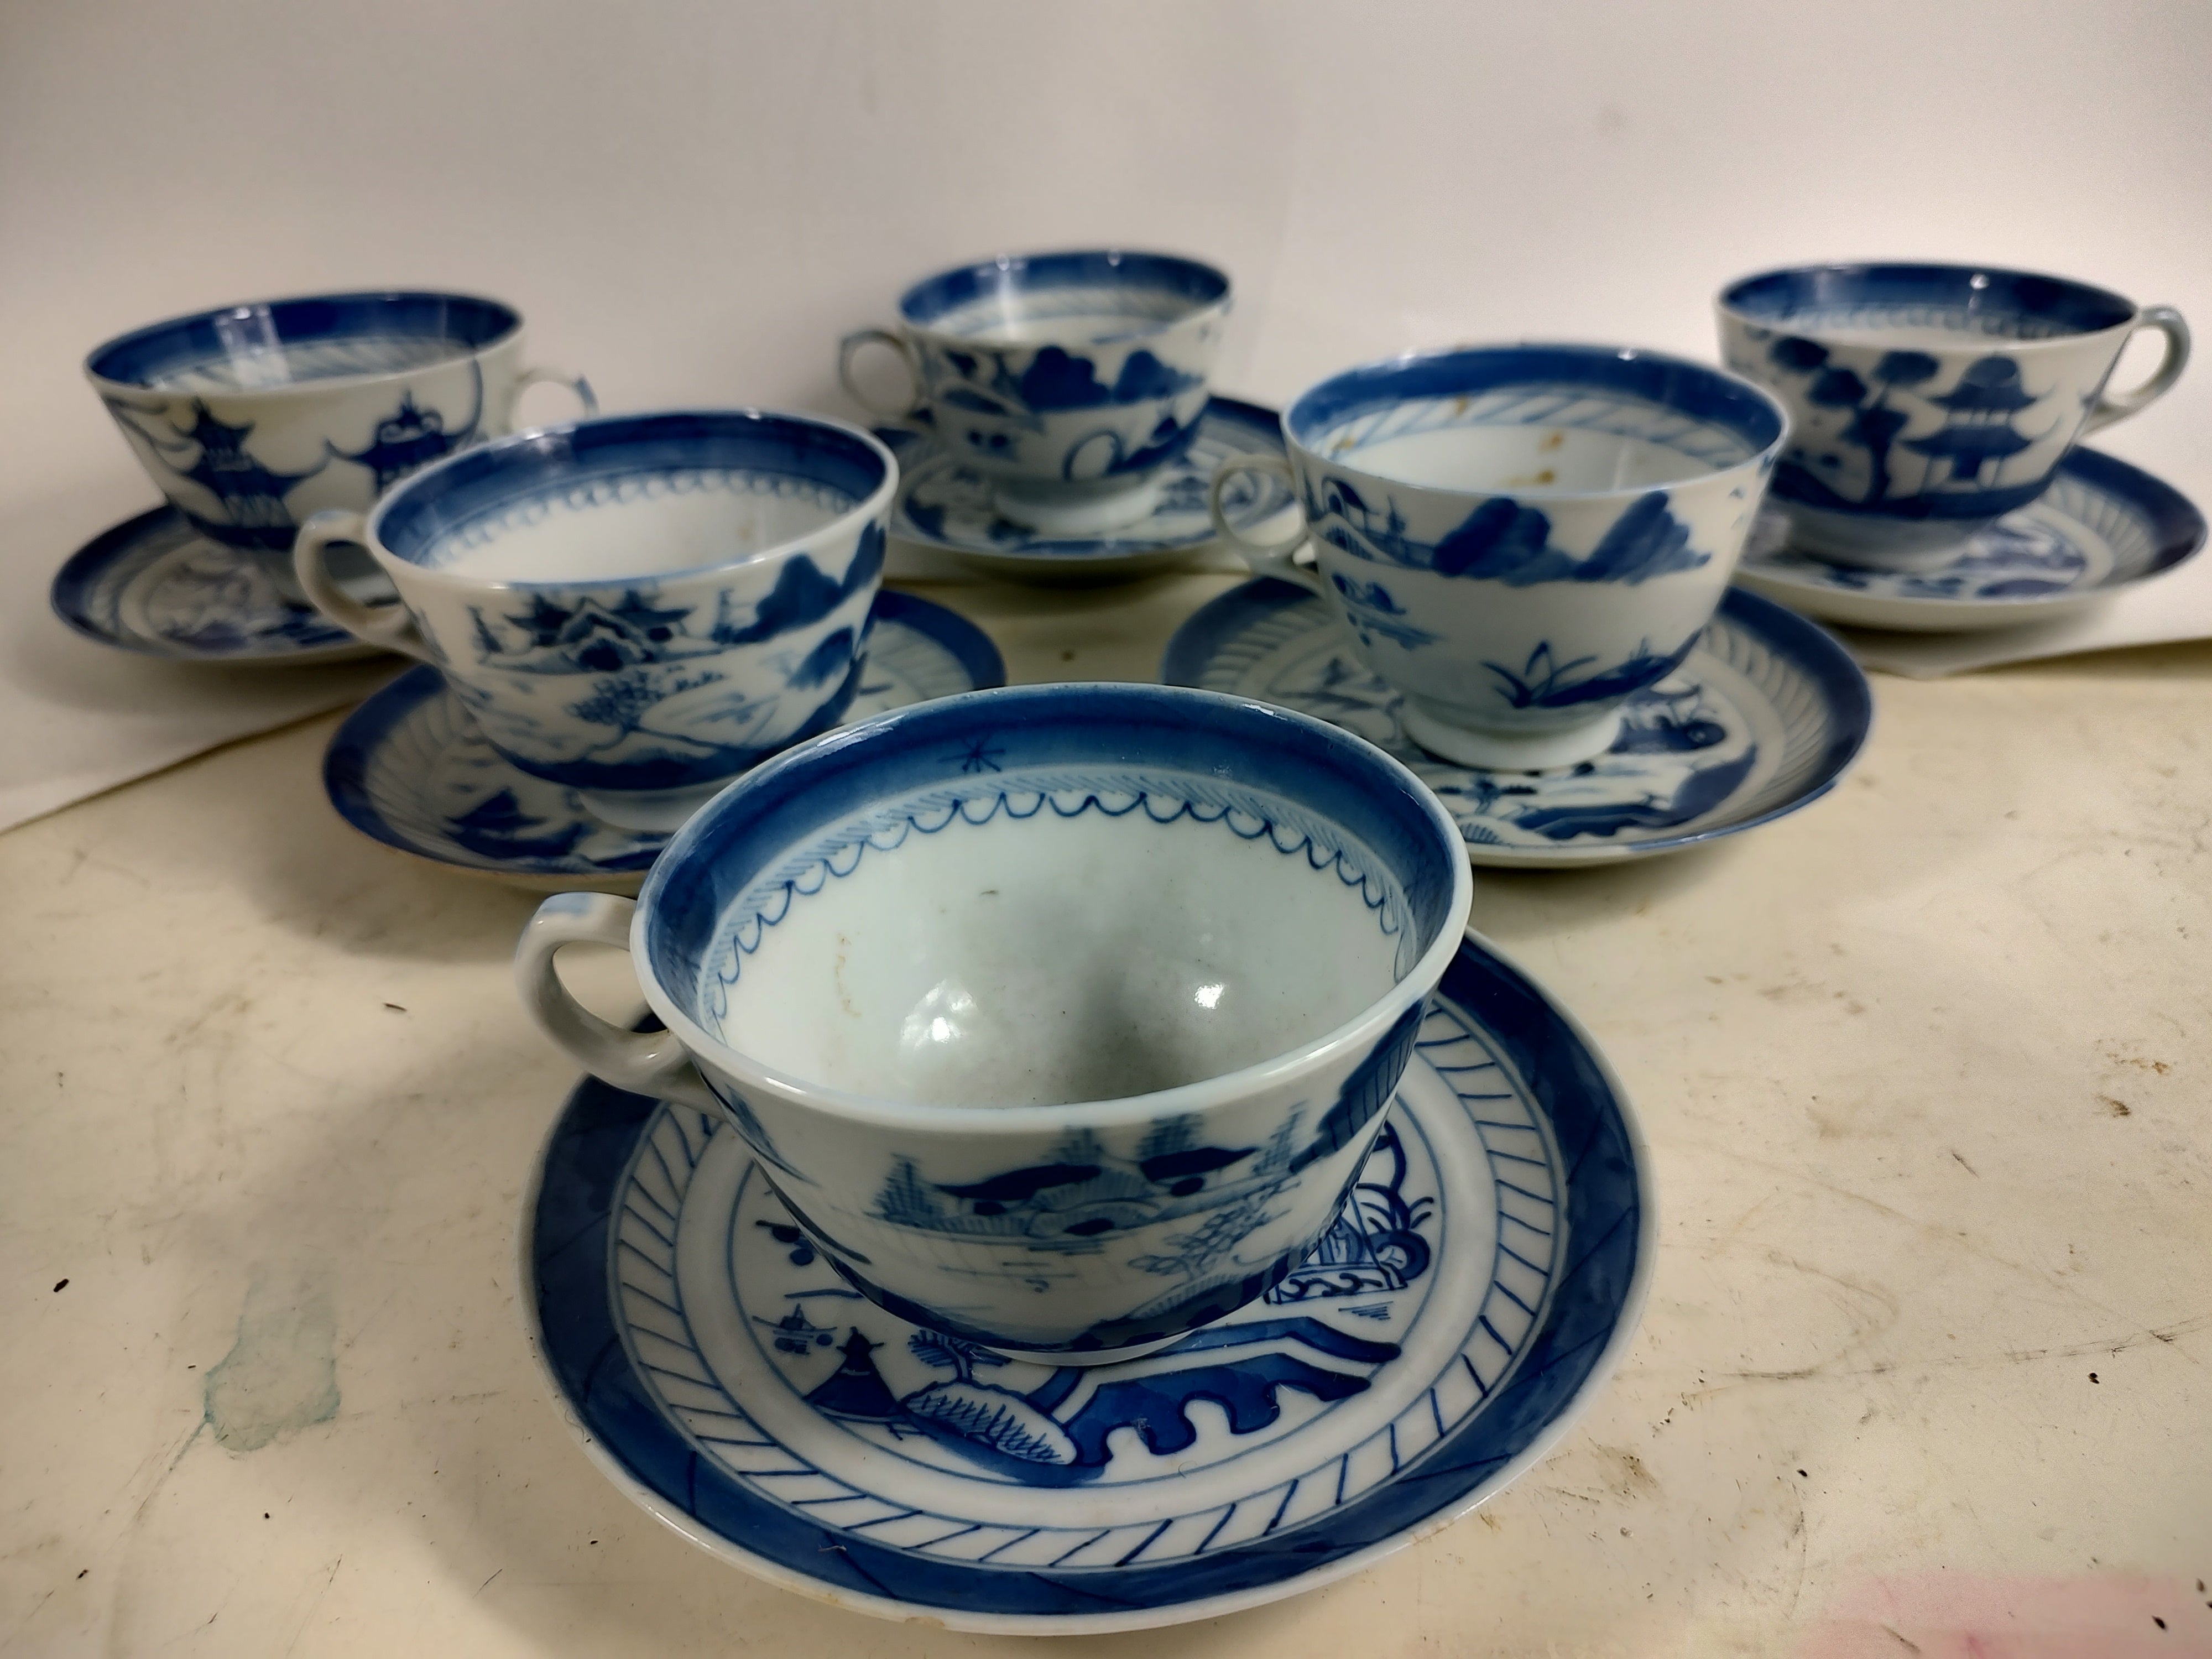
point(1926, 305)
point(627, 497)
point(1536, 420)
point(1092, 298)
point(282, 342)
point(1048, 894)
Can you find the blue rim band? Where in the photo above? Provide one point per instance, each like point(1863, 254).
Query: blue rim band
point(411, 521)
point(1816, 652)
point(567, 1252)
point(932, 297)
point(1675, 383)
point(145, 355)
point(345, 762)
point(1338, 777)
point(1779, 297)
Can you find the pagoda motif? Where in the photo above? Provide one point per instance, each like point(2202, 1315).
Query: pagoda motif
point(1977, 429)
point(251, 497)
point(856, 1389)
point(411, 437)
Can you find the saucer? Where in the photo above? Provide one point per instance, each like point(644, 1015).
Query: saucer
point(410, 768)
point(947, 506)
point(1761, 718)
point(2101, 527)
point(155, 585)
point(1479, 1285)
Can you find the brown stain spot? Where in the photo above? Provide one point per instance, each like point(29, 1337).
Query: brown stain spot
point(1628, 1477)
point(2116, 1108)
point(1554, 440)
point(837, 977)
point(1491, 1520)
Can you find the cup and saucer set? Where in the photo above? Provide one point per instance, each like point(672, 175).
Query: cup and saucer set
point(1078, 1172)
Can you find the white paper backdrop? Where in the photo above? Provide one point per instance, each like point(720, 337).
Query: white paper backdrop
point(691, 200)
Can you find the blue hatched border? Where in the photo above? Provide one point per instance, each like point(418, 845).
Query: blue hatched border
point(1587, 1320)
point(1524, 1217)
point(1228, 424)
point(87, 594)
point(346, 761)
point(1821, 671)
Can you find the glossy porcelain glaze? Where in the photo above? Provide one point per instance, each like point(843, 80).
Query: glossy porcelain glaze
point(1059, 1016)
point(1485, 1271)
point(1519, 538)
point(1928, 401)
point(252, 417)
point(639, 607)
point(1068, 380)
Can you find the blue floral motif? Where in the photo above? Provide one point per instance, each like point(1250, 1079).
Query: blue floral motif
point(1687, 765)
point(1503, 540)
point(1543, 682)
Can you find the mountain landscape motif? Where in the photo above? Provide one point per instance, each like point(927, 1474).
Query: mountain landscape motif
point(1060, 1431)
point(1505, 540)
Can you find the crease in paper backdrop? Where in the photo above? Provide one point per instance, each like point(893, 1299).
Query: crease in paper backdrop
point(81, 718)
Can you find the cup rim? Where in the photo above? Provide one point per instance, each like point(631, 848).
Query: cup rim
point(1739, 386)
point(543, 439)
point(324, 384)
point(1201, 271)
point(1727, 299)
point(878, 1112)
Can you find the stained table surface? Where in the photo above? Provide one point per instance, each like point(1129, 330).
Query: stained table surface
point(1927, 1365)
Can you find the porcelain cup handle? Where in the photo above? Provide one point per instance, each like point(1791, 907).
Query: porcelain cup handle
point(1278, 559)
point(644, 1062)
point(849, 347)
point(531, 377)
point(386, 625)
point(2110, 407)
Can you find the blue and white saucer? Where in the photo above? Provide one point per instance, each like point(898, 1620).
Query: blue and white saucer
point(155, 585)
point(946, 505)
point(410, 768)
point(2100, 528)
point(1481, 1282)
point(1762, 718)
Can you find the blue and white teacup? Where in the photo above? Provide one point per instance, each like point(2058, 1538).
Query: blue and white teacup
point(1061, 1016)
point(1519, 538)
point(1069, 379)
point(640, 606)
point(252, 417)
point(1928, 401)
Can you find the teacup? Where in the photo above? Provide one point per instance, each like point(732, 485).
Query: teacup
point(252, 417)
point(1519, 538)
point(640, 606)
point(1061, 1016)
point(1928, 401)
point(1069, 379)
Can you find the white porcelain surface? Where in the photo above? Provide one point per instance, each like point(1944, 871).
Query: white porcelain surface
point(698, 587)
point(1060, 1015)
point(1068, 380)
point(252, 430)
point(1519, 537)
point(1928, 401)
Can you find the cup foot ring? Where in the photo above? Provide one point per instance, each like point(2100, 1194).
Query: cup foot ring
point(1495, 752)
